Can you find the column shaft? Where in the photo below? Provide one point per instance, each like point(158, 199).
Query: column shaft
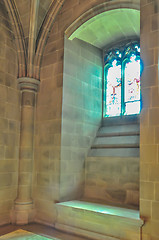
point(23, 211)
point(26, 147)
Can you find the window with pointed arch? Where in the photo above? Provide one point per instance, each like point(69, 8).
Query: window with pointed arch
point(122, 80)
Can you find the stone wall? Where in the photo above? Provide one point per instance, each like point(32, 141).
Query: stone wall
point(48, 180)
point(47, 148)
point(49, 110)
point(112, 180)
point(46, 189)
point(9, 117)
point(48, 129)
point(81, 113)
point(149, 163)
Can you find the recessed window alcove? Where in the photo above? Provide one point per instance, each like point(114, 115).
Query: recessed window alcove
point(102, 153)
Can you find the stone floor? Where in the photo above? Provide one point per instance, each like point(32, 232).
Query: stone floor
point(21, 234)
point(34, 231)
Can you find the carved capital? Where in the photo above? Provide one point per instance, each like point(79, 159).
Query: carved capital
point(30, 84)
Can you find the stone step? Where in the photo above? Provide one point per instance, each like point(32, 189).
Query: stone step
point(119, 130)
point(118, 145)
point(121, 120)
point(116, 140)
point(114, 159)
point(98, 221)
point(114, 152)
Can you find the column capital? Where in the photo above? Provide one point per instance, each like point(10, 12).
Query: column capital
point(27, 83)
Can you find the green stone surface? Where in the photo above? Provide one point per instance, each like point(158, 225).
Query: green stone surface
point(24, 235)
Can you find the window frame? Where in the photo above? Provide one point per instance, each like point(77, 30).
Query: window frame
point(126, 49)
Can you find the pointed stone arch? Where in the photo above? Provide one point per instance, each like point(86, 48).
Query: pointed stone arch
point(98, 9)
point(19, 36)
point(54, 9)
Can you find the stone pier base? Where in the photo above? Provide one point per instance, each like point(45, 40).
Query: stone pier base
point(22, 213)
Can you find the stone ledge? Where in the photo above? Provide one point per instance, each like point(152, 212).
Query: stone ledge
point(82, 232)
point(87, 219)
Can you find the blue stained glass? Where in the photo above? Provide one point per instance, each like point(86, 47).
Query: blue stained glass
point(138, 48)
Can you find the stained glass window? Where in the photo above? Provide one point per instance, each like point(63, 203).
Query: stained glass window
point(122, 81)
point(113, 97)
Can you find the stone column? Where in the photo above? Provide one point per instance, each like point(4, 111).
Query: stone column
point(23, 211)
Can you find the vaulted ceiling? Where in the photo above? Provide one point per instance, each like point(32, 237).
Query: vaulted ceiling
point(32, 21)
point(109, 27)
point(24, 10)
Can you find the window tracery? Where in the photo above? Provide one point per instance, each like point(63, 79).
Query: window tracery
point(122, 80)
